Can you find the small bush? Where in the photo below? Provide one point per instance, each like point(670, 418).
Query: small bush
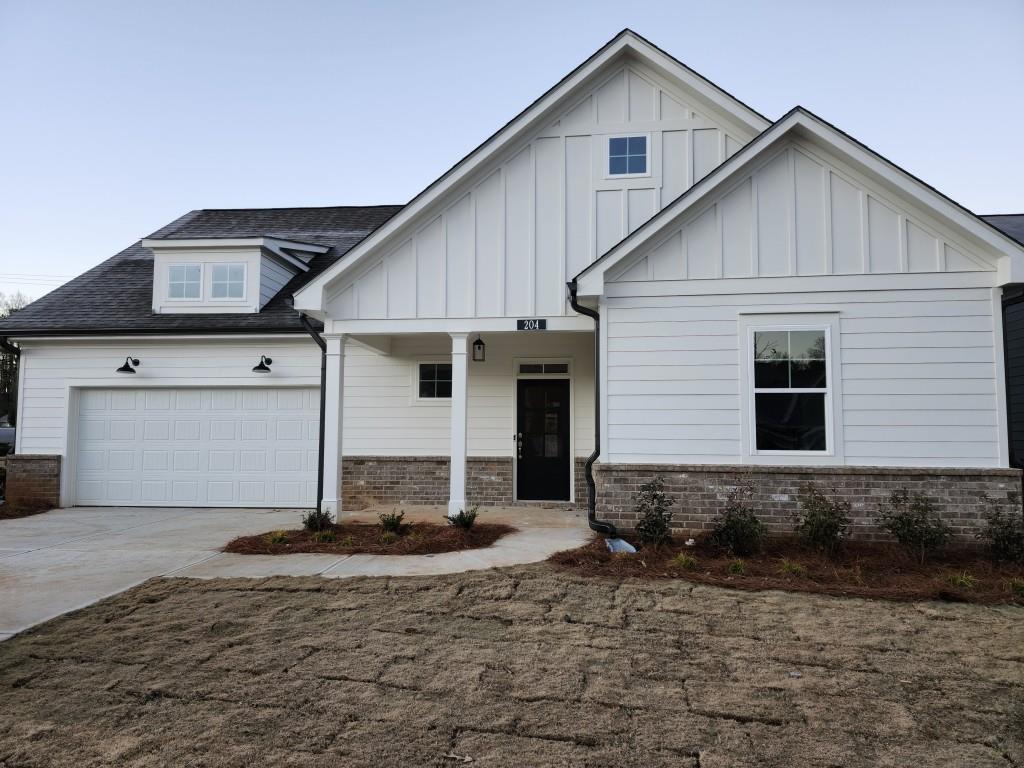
point(388, 537)
point(737, 567)
point(1004, 534)
point(1017, 587)
point(348, 541)
point(738, 530)
point(654, 519)
point(277, 537)
point(822, 521)
point(463, 520)
point(914, 523)
point(324, 537)
point(962, 580)
point(391, 522)
point(792, 568)
point(685, 561)
point(317, 520)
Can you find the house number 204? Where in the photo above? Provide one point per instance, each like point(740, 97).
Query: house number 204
point(531, 325)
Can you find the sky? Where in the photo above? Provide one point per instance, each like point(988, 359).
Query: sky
point(116, 117)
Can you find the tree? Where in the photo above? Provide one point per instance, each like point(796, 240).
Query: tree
point(9, 304)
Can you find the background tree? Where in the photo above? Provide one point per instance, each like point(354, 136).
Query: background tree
point(9, 304)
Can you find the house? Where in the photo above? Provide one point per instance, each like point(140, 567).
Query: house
point(749, 301)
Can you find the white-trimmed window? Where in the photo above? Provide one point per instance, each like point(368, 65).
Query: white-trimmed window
point(434, 381)
point(227, 281)
point(629, 155)
point(185, 281)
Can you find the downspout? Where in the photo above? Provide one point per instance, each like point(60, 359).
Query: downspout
point(323, 405)
point(600, 526)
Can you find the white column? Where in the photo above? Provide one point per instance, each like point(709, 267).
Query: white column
point(457, 469)
point(333, 412)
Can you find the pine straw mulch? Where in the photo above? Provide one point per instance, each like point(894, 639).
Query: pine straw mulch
point(369, 539)
point(8, 512)
point(861, 569)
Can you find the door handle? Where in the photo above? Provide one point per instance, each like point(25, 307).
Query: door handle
point(519, 444)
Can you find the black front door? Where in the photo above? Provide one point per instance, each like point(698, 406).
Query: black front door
point(542, 440)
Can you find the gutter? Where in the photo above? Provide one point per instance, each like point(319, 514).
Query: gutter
point(600, 526)
point(323, 406)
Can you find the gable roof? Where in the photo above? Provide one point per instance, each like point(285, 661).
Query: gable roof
point(1010, 224)
point(310, 297)
point(116, 297)
point(803, 122)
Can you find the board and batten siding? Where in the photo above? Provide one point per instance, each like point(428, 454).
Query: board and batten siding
point(505, 244)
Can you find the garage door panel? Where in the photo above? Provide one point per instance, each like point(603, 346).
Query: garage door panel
point(202, 447)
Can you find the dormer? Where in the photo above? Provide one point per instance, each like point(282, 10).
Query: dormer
point(224, 275)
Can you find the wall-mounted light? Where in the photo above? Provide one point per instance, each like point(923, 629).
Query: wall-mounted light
point(479, 350)
point(128, 363)
point(263, 366)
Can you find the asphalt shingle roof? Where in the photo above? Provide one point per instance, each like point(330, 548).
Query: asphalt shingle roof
point(1011, 224)
point(116, 297)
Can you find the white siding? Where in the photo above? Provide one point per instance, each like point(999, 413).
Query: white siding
point(505, 244)
point(917, 369)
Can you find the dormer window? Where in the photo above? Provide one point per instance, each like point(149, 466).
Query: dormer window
point(228, 281)
point(184, 281)
point(627, 156)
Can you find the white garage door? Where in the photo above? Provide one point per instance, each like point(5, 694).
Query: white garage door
point(249, 447)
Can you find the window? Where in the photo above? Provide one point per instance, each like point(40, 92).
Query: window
point(791, 389)
point(528, 368)
point(627, 155)
point(435, 380)
point(228, 281)
point(184, 281)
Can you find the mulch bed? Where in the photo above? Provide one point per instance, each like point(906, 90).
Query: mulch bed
point(861, 569)
point(369, 539)
point(8, 512)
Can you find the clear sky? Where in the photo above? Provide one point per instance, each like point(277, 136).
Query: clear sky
point(117, 116)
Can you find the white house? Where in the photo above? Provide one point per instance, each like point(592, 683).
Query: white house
point(756, 301)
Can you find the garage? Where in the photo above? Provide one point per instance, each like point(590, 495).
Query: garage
point(197, 447)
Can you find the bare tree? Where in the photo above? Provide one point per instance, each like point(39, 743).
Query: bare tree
point(9, 304)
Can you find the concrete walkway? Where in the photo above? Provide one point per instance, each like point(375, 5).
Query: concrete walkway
point(69, 558)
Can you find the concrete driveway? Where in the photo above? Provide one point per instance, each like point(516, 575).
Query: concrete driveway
point(69, 558)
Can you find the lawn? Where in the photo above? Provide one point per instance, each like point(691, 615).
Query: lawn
point(521, 667)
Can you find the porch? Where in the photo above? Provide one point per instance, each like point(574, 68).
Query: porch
point(417, 418)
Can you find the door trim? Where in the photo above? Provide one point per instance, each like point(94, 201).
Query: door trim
point(516, 376)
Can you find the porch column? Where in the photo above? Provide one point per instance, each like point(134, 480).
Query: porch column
point(457, 467)
point(332, 432)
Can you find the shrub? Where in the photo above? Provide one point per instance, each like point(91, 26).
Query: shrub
point(914, 523)
point(652, 511)
point(463, 520)
point(822, 521)
point(317, 520)
point(738, 530)
point(277, 537)
point(348, 541)
point(737, 567)
point(792, 568)
point(324, 537)
point(391, 521)
point(962, 580)
point(685, 561)
point(1017, 587)
point(1004, 534)
point(388, 537)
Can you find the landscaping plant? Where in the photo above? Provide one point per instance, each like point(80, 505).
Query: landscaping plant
point(277, 537)
point(463, 520)
point(737, 567)
point(738, 530)
point(391, 522)
point(962, 580)
point(685, 561)
point(654, 519)
point(324, 537)
point(1004, 534)
point(822, 521)
point(792, 568)
point(317, 520)
point(914, 523)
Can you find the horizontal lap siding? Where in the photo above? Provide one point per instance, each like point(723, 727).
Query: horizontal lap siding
point(918, 375)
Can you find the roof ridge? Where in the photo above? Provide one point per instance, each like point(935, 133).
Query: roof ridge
point(307, 207)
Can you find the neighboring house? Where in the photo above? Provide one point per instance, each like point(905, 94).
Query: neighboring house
point(777, 303)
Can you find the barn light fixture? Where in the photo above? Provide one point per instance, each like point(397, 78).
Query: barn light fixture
point(479, 350)
point(128, 363)
point(263, 366)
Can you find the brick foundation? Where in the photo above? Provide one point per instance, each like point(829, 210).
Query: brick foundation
point(33, 481)
point(370, 480)
point(700, 492)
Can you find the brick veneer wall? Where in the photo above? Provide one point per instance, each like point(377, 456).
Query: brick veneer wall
point(33, 481)
point(370, 480)
point(700, 492)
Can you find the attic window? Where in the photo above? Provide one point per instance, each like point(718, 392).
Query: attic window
point(228, 281)
point(184, 281)
point(627, 155)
